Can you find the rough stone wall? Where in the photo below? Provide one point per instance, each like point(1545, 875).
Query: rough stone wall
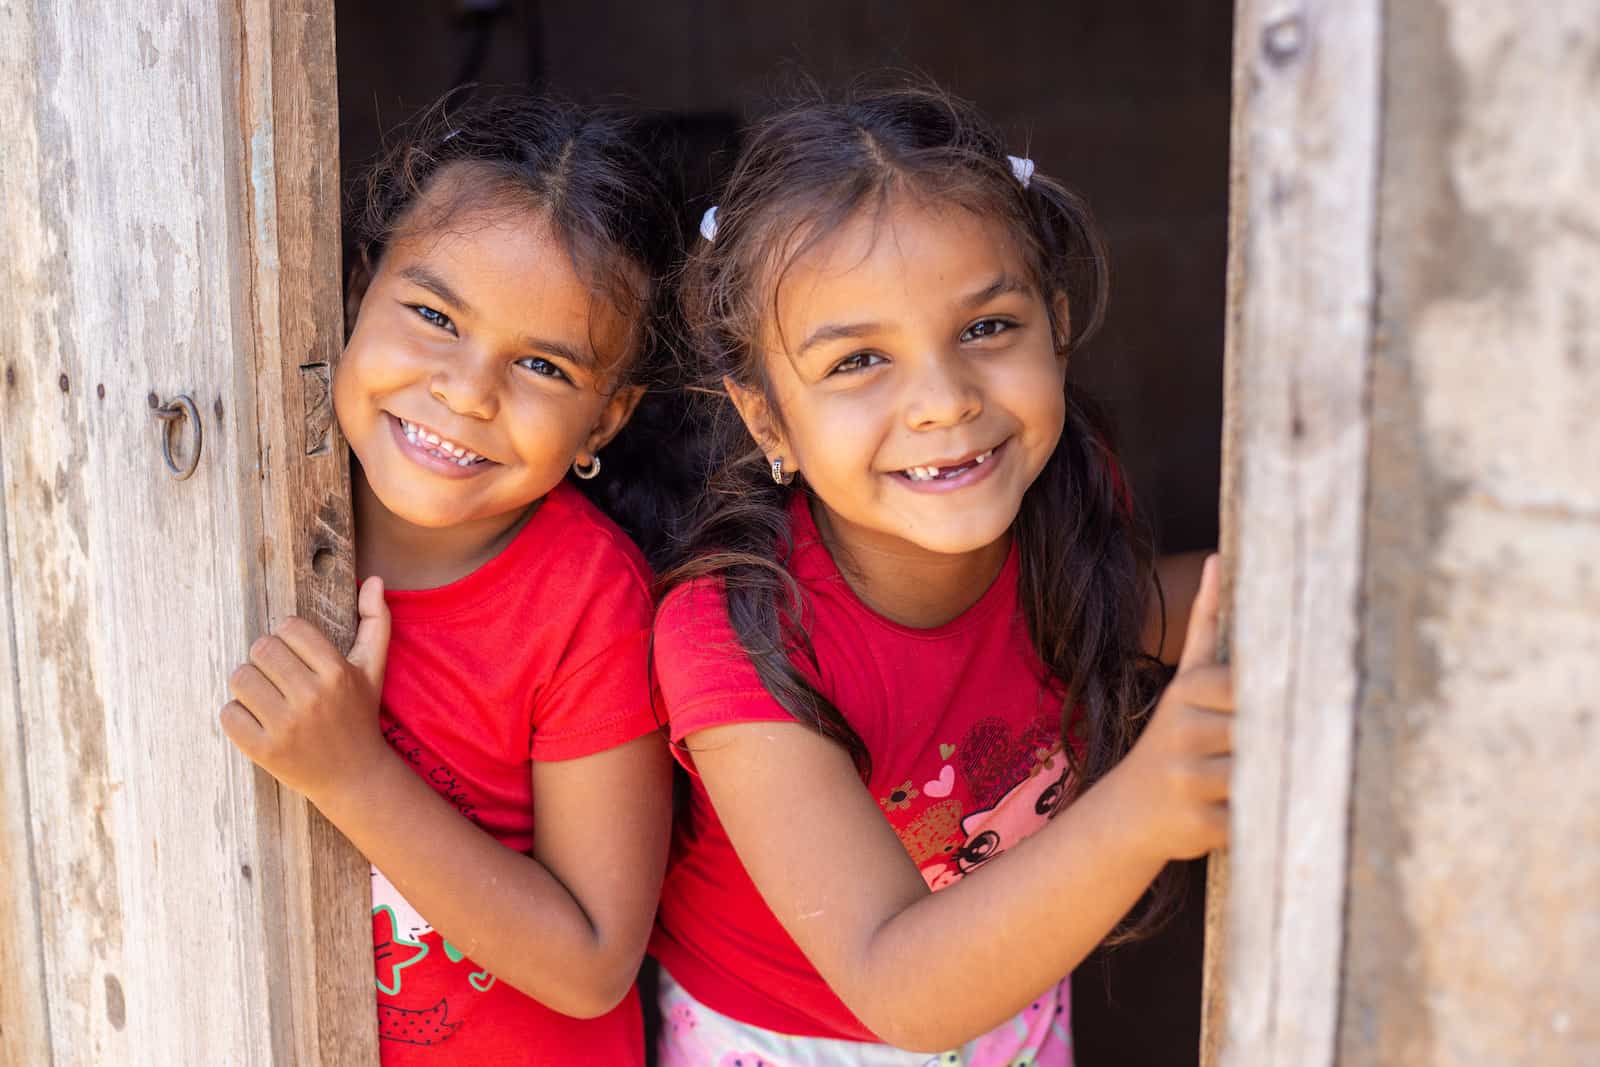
point(1474, 918)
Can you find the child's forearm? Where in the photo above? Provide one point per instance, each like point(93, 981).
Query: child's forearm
point(502, 908)
point(928, 983)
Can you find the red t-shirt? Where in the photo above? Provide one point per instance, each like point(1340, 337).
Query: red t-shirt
point(964, 735)
point(540, 654)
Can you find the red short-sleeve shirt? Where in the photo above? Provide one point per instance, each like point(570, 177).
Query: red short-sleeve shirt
point(540, 654)
point(964, 733)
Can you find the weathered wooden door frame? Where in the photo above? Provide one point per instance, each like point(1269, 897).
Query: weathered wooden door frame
point(1300, 336)
point(262, 73)
point(289, 109)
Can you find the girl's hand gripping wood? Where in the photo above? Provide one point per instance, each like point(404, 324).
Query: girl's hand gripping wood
point(305, 712)
point(1183, 762)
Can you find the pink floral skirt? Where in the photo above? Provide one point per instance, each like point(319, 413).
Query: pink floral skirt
point(692, 1035)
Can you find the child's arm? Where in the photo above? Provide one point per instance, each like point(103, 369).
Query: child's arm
point(1167, 619)
point(566, 926)
point(930, 971)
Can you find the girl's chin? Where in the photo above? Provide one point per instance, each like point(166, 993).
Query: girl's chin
point(959, 545)
point(953, 541)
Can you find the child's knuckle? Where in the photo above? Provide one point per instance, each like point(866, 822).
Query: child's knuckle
point(296, 627)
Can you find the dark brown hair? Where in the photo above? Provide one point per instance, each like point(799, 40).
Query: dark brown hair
point(1086, 561)
point(592, 175)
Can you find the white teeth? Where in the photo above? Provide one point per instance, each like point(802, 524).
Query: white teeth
point(443, 447)
point(928, 474)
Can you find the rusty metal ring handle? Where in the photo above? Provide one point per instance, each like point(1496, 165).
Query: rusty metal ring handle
point(180, 408)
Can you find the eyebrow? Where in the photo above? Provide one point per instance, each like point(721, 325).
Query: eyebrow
point(835, 331)
point(1003, 283)
point(434, 284)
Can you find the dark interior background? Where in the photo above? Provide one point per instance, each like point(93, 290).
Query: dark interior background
point(1127, 102)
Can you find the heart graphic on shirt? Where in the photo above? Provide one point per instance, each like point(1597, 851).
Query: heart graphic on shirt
point(986, 760)
point(945, 751)
point(942, 785)
point(481, 980)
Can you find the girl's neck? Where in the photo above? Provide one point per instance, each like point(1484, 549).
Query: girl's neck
point(904, 583)
point(408, 556)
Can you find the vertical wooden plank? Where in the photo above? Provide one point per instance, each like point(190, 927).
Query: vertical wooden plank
point(171, 906)
point(1474, 920)
point(129, 596)
point(290, 114)
point(1214, 999)
point(24, 1010)
point(1300, 357)
point(24, 1016)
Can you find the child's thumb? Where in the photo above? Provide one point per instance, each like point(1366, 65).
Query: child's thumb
point(1200, 645)
point(371, 649)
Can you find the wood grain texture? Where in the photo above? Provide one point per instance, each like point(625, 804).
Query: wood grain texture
point(129, 601)
point(24, 1009)
point(1300, 352)
point(1474, 921)
point(177, 908)
point(1214, 986)
point(24, 1017)
point(290, 109)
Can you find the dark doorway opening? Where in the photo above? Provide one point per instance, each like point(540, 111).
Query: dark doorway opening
point(1129, 106)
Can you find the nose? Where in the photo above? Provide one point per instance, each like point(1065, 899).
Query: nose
point(468, 384)
point(943, 394)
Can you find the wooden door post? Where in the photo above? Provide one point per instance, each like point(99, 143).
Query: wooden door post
point(289, 89)
point(1299, 363)
point(1414, 506)
point(169, 184)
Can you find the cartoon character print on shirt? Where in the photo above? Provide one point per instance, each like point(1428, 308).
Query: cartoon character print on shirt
point(1020, 812)
point(409, 939)
point(1014, 785)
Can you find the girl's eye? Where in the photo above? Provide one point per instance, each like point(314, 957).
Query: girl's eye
point(434, 318)
point(857, 361)
point(986, 328)
point(542, 367)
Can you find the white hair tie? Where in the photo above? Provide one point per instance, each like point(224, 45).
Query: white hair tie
point(1022, 168)
point(708, 223)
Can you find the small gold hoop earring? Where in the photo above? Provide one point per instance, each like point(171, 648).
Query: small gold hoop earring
point(587, 472)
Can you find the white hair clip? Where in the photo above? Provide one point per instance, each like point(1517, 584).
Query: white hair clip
point(1022, 168)
point(708, 223)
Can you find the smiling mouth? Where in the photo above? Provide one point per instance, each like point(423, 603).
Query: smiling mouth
point(442, 447)
point(947, 473)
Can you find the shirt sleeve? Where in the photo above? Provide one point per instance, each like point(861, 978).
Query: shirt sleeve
point(703, 675)
point(599, 697)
